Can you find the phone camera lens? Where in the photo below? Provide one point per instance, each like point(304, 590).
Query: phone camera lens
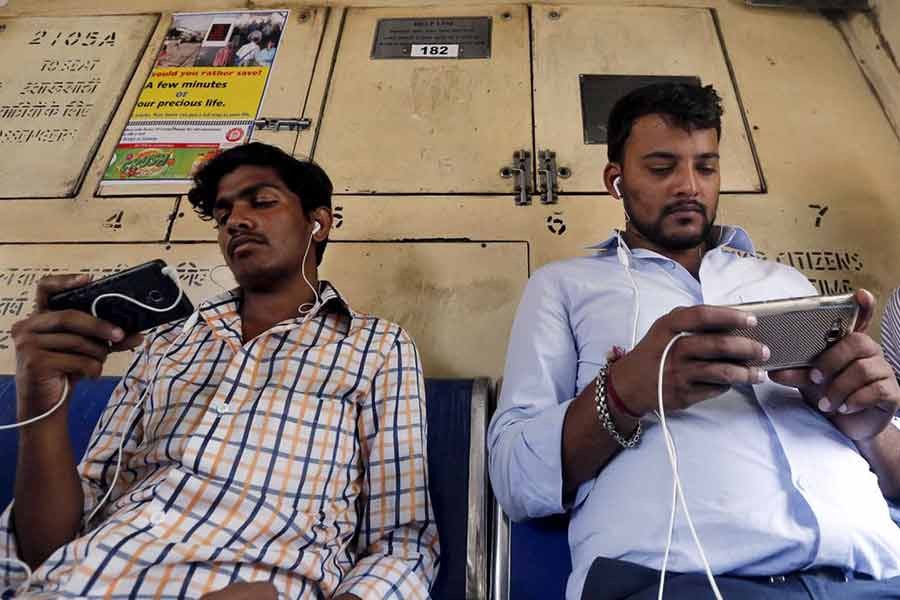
point(835, 332)
point(155, 296)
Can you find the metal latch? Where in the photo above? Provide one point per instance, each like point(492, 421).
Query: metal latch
point(290, 124)
point(549, 175)
point(521, 170)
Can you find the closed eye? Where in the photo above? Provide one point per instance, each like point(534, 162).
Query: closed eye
point(264, 200)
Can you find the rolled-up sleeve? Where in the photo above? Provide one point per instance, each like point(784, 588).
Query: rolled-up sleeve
point(539, 381)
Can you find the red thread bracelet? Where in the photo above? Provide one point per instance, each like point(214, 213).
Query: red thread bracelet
point(616, 401)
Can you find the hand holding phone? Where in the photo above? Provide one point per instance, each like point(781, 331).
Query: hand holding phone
point(797, 330)
point(850, 382)
point(52, 347)
point(702, 365)
point(135, 299)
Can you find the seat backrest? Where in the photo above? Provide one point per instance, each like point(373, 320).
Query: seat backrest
point(88, 401)
point(456, 411)
point(529, 560)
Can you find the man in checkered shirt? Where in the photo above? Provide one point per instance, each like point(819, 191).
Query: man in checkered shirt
point(279, 449)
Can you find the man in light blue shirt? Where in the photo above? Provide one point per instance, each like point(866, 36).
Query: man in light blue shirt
point(785, 475)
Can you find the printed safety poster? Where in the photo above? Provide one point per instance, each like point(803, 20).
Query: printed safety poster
point(202, 96)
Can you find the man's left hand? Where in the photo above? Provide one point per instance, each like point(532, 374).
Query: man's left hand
point(851, 382)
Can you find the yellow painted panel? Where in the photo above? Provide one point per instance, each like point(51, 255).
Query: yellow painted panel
point(86, 217)
point(574, 40)
point(888, 14)
point(426, 125)
point(94, 220)
point(290, 77)
point(60, 86)
point(876, 62)
point(319, 83)
point(80, 7)
point(824, 142)
point(364, 217)
point(457, 300)
point(110, 7)
point(188, 226)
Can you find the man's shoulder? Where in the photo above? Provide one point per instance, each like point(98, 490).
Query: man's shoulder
point(564, 269)
point(381, 327)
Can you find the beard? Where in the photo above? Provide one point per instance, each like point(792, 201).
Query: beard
point(654, 232)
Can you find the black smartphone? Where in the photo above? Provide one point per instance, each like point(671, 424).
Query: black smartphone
point(135, 299)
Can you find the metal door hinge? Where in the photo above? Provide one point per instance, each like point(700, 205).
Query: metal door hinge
point(291, 124)
point(521, 170)
point(549, 175)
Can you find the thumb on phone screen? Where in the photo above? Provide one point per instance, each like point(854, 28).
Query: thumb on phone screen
point(866, 302)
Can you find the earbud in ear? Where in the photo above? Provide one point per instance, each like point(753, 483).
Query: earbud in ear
point(316, 227)
point(617, 185)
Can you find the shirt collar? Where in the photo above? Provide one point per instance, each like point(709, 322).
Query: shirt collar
point(224, 308)
point(729, 238)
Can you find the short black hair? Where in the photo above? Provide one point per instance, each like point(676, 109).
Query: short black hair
point(685, 105)
point(303, 177)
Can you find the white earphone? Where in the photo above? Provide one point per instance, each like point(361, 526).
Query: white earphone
point(307, 309)
point(617, 183)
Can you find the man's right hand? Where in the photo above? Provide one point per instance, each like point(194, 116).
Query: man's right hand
point(699, 366)
point(53, 345)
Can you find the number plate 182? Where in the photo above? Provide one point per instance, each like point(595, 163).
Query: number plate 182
point(434, 51)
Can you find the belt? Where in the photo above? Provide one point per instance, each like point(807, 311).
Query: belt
point(829, 573)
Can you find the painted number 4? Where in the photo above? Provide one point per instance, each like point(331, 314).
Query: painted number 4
point(435, 50)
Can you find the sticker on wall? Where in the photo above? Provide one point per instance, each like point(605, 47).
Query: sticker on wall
point(202, 96)
point(445, 37)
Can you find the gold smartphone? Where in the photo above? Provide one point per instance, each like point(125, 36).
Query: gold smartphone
point(797, 330)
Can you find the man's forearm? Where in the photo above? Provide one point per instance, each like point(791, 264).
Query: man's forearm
point(586, 446)
point(883, 454)
point(48, 496)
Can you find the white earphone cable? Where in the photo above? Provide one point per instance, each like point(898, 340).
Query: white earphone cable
point(26, 584)
point(673, 461)
point(307, 309)
point(677, 492)
point(170, 273)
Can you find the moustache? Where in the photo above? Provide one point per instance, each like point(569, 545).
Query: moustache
point(684, 206)
point(240, 239)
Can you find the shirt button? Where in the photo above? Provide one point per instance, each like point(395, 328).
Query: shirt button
point(220, 408)
point(158, 518)
point(801, 484)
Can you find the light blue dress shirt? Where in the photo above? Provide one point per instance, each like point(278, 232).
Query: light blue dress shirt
point(771, 485)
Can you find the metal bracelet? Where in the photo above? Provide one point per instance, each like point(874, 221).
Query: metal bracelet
point(605, 417)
